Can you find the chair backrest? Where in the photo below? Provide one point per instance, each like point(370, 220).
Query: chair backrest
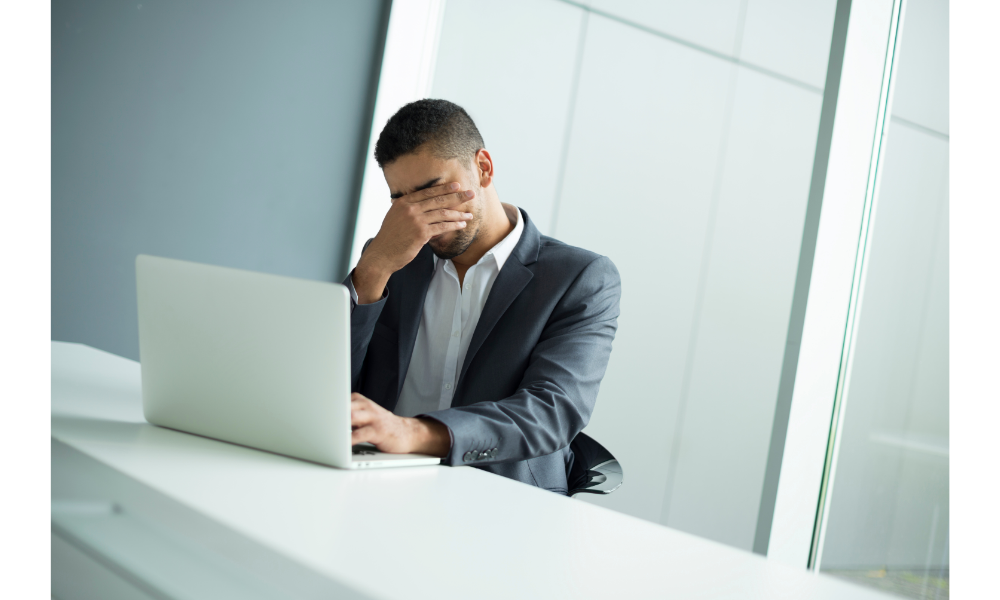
point(594, 470)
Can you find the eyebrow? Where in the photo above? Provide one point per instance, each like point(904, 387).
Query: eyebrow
point(430, 183)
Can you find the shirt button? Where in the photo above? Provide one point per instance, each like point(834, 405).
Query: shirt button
point(455, 334)
point(447, 386)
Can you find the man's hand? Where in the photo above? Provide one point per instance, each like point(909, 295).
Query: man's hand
point(397, 435)
point(411, 222)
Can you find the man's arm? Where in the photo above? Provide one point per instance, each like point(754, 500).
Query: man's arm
point(559, 389)
point(398, 435)
point(363, 319)
point(408, 224)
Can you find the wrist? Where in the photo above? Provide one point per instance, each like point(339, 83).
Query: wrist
point(431, 437)
point(369, 280)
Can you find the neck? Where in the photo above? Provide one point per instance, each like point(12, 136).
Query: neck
point(496, 225)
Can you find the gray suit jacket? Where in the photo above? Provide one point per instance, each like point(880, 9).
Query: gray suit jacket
point(530, 378)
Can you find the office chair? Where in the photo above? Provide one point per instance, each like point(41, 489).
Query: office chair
point(594, 469)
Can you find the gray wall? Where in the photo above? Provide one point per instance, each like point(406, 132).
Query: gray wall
point(223, 132)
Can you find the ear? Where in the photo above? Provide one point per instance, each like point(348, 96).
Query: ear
point(484, 167)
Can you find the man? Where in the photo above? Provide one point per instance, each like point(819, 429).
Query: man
point(473, 337)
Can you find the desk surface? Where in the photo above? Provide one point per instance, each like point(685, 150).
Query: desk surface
point(417, 532)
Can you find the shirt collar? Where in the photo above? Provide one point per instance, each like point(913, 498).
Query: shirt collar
point(503, 249)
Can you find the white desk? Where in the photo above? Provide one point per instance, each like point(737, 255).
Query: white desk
point(194, 517)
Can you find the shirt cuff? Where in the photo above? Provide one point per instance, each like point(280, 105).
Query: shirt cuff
point(354, 292)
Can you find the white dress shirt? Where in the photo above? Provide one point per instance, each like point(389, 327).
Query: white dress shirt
point(449, 318)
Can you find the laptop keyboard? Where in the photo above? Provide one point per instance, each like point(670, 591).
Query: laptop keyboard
point(363, 450)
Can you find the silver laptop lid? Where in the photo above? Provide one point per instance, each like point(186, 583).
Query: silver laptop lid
point(255, 359)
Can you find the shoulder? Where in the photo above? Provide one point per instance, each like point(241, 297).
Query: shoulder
point(553, 252)
point(589, 282)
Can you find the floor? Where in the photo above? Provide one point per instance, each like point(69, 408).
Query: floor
point(923, 585)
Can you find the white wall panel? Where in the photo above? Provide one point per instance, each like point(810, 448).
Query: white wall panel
point(510, 65)
point(643, 155)
point(922, 80)
point(790, 37)
point(744, 316)
point(892, 468)
point(713, 24)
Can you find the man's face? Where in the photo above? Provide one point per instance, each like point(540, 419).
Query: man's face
point(413, 172)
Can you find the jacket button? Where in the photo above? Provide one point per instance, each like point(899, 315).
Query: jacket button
point(470, 456)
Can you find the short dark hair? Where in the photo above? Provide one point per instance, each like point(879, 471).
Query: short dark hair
point(444, 127)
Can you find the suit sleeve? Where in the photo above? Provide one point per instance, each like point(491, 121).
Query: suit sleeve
point(557, 394)
point(363, 319)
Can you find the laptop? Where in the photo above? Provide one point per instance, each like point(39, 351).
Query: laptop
point(253, 359)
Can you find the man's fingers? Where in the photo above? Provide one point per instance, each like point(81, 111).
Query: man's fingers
point(362, 435)
point(446, 201)
point(431, 192)
point(361, 417)
point(443, 227)
point(363, 410)
point(445, 214)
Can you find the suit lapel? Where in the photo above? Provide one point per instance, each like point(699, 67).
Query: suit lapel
point(413, 290)
point(511, 280)
point(509, 283)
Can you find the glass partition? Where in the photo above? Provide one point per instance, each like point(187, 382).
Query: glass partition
point(886, 523)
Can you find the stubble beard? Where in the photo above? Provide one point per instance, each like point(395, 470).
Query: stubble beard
point(463, 238)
